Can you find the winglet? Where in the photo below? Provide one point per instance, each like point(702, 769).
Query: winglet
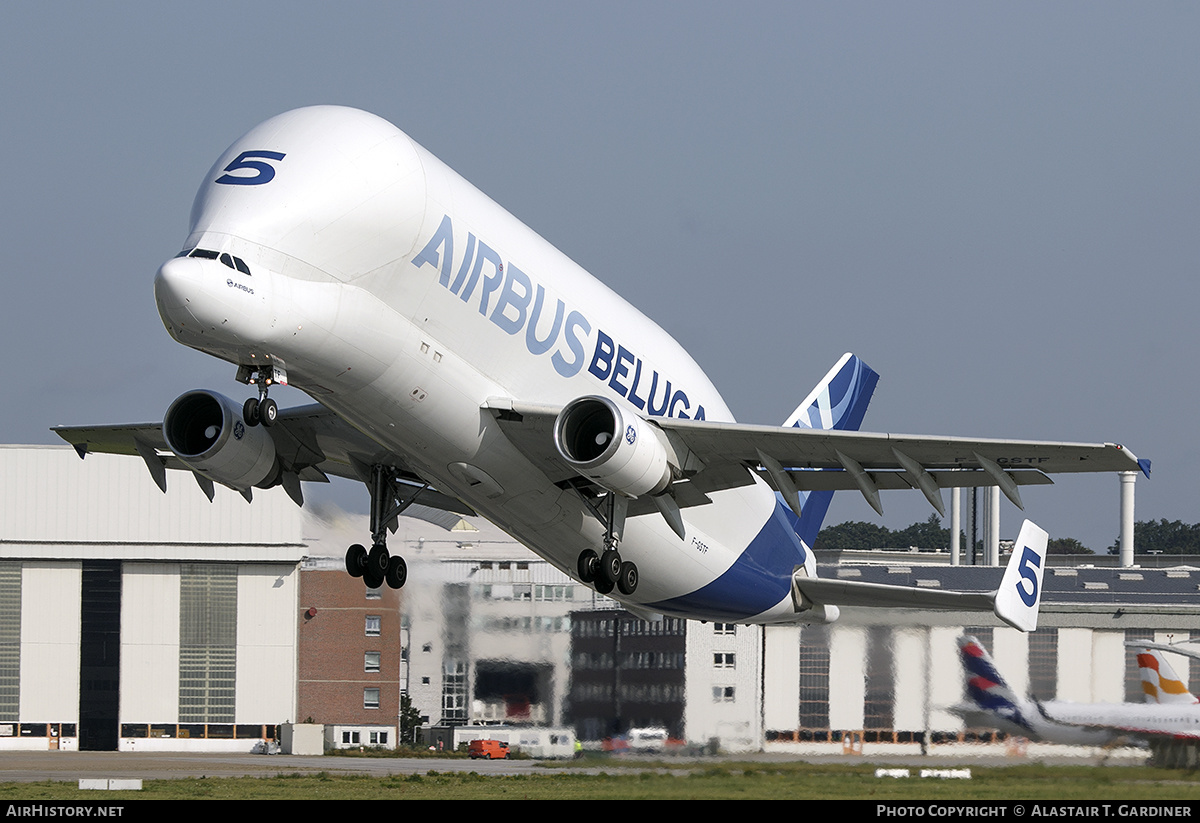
point(1020, 591)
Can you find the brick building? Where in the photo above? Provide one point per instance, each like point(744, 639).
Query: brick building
point(349, 656)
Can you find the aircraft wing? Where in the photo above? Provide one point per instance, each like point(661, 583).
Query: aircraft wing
point(715, 456)
point(311, 443)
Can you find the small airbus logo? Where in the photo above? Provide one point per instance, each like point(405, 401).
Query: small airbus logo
point(233, 284)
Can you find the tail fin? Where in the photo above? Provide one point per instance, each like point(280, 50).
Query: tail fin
point(1159, 681)
point(985, 687)
point(839, 401)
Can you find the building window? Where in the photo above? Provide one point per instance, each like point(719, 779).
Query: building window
point(379, 738)
point(207, 642)
point(814, 678)
point(372, 625)
point(723, 660)
point(454, 691)
point(375, 594)
point(371, 662)
point(722, 694)
point(1043, 663)
point(554, 593)
point(350, 737)
point(10, 640)
point(370, 698)
point(724, 628)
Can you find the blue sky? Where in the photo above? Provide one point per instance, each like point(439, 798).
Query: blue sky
point(992, 204)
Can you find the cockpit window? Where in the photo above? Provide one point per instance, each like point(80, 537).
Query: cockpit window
point(229, 260)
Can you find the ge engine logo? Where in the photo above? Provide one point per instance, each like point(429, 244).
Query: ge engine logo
point(238, 430)
point(630, 435)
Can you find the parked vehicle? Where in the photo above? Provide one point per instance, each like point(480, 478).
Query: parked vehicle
point(487, 749)
point(647, 740)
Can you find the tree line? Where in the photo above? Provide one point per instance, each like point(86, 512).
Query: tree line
point(1162, 537)
point(928, 535)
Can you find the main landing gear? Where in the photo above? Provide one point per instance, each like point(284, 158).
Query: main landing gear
point(378, 566)
point(606, 571)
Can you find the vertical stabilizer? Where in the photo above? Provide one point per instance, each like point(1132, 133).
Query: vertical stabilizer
point(984, 685)
point(1159, 681)
point(839, 401)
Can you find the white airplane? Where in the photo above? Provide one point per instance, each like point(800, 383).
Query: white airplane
point(460, 362)
point(993, 703)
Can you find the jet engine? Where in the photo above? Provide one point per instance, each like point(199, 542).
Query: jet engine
point(613, 447)
point(206, 432)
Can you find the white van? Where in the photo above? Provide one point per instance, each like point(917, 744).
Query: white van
point(647, 740)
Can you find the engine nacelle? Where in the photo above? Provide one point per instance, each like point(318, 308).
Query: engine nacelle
point(206, 431)
point(613, 447)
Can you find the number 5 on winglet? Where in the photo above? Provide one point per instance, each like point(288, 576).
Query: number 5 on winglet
point(1020, 591)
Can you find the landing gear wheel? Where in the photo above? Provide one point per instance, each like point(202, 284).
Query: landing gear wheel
point(378, 560)
point(250, 411)
point(373, 580)
point(628, 580)
point(603, 586)
point(356, 560)
point(588, 566)
point(610, 566)
point(268, 412)
point(397, 572)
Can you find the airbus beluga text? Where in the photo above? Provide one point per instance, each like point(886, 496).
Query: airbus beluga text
point(462, 363)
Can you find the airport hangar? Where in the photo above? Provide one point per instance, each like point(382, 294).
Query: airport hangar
point(136, 620)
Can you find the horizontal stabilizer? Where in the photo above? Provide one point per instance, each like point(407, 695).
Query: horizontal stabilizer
point(881, 595)
point(1015, 602)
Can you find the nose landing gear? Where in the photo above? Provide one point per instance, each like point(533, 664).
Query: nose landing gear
point(261, 409)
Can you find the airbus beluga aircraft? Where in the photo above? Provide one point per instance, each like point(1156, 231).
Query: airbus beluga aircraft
point(461, 362)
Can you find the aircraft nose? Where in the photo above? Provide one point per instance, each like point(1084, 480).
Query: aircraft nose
point(200, 296)
point(175, 286)
point(175, 280)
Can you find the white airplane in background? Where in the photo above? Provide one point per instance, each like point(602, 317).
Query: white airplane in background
point(993, 703)
point(461, 362)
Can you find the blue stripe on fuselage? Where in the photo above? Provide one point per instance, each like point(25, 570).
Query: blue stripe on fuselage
point(759, 579)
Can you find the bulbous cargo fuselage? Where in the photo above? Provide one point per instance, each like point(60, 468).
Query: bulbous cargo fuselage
point(327, 242)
